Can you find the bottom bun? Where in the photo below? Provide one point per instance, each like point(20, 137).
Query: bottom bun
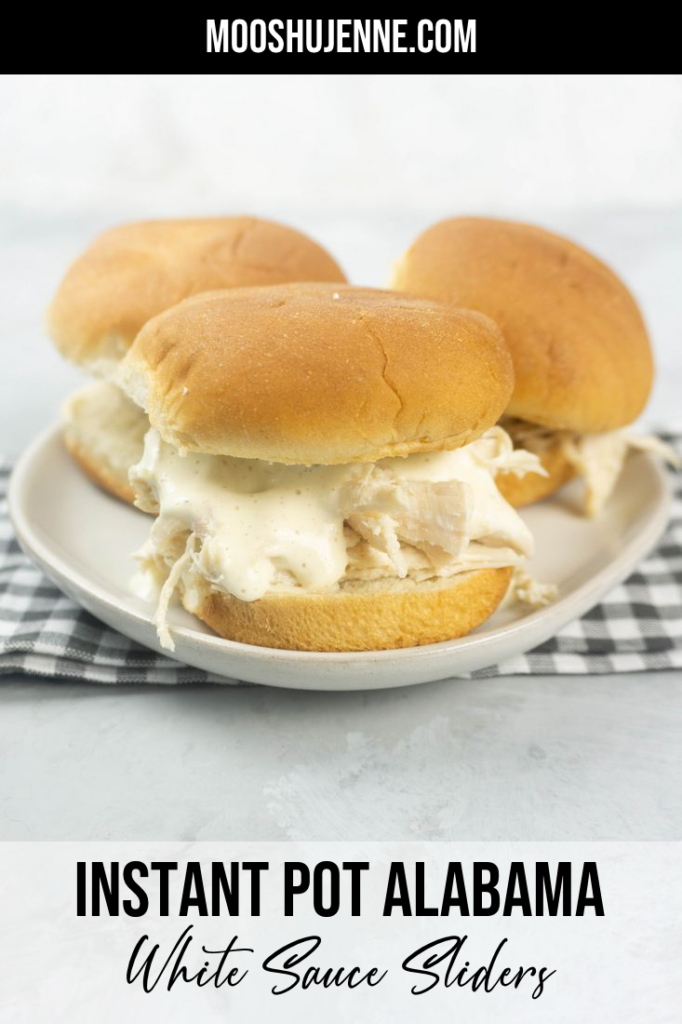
point(524, 490)
point(106, 475)
point(104, 433)
point(360, 616)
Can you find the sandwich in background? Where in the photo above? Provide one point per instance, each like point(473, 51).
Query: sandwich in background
point(582, 358)
point(130, 274)
point(321, 465)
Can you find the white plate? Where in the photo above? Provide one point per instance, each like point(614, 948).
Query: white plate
point(83, 539)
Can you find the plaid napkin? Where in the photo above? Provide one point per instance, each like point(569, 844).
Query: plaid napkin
point(637, 627)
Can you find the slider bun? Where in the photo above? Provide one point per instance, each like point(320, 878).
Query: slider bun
point(104, 432)
point(105, 474)
point(581, 353)
point(318, 374)
point(131, 273)
point(360, 617)
point(520, 491)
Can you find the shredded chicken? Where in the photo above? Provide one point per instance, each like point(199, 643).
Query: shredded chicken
point(249, 528)
point(530, 591)
point(496, 447)
point(597, 458)
point(167, 591)
point(386, 511)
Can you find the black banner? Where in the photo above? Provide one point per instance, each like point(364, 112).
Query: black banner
point(225, 42)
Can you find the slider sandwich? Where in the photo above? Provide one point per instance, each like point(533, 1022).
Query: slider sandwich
point(321, 462)
point(582, 359)
point(130, 274)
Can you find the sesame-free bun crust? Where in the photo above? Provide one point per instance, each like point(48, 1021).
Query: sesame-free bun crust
point(360, 617)
point(520, 491)
point(133, 272)
point(581, 353)
point(318, 374)
point(104, 433)
point(109, 478)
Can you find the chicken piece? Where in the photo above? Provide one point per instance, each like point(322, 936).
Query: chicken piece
point(385, 511)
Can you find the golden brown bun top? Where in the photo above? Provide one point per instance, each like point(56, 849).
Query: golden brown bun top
point(131, 273)
point(582, 357)
point(318, 374)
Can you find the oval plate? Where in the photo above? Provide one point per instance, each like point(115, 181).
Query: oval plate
point(83, 539)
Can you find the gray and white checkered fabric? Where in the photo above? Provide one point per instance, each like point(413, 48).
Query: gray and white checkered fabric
point(637, 627)
point(44, 633)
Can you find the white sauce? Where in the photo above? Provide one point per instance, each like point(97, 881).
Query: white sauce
point(265, 526)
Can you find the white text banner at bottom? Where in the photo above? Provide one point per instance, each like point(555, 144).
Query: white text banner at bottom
point(553, 932)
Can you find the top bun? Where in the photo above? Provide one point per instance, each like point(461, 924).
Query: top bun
point(582, 357)
point(316, 374)
point(131, 273)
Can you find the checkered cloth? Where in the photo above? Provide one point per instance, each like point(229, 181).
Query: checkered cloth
point(637, 627)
